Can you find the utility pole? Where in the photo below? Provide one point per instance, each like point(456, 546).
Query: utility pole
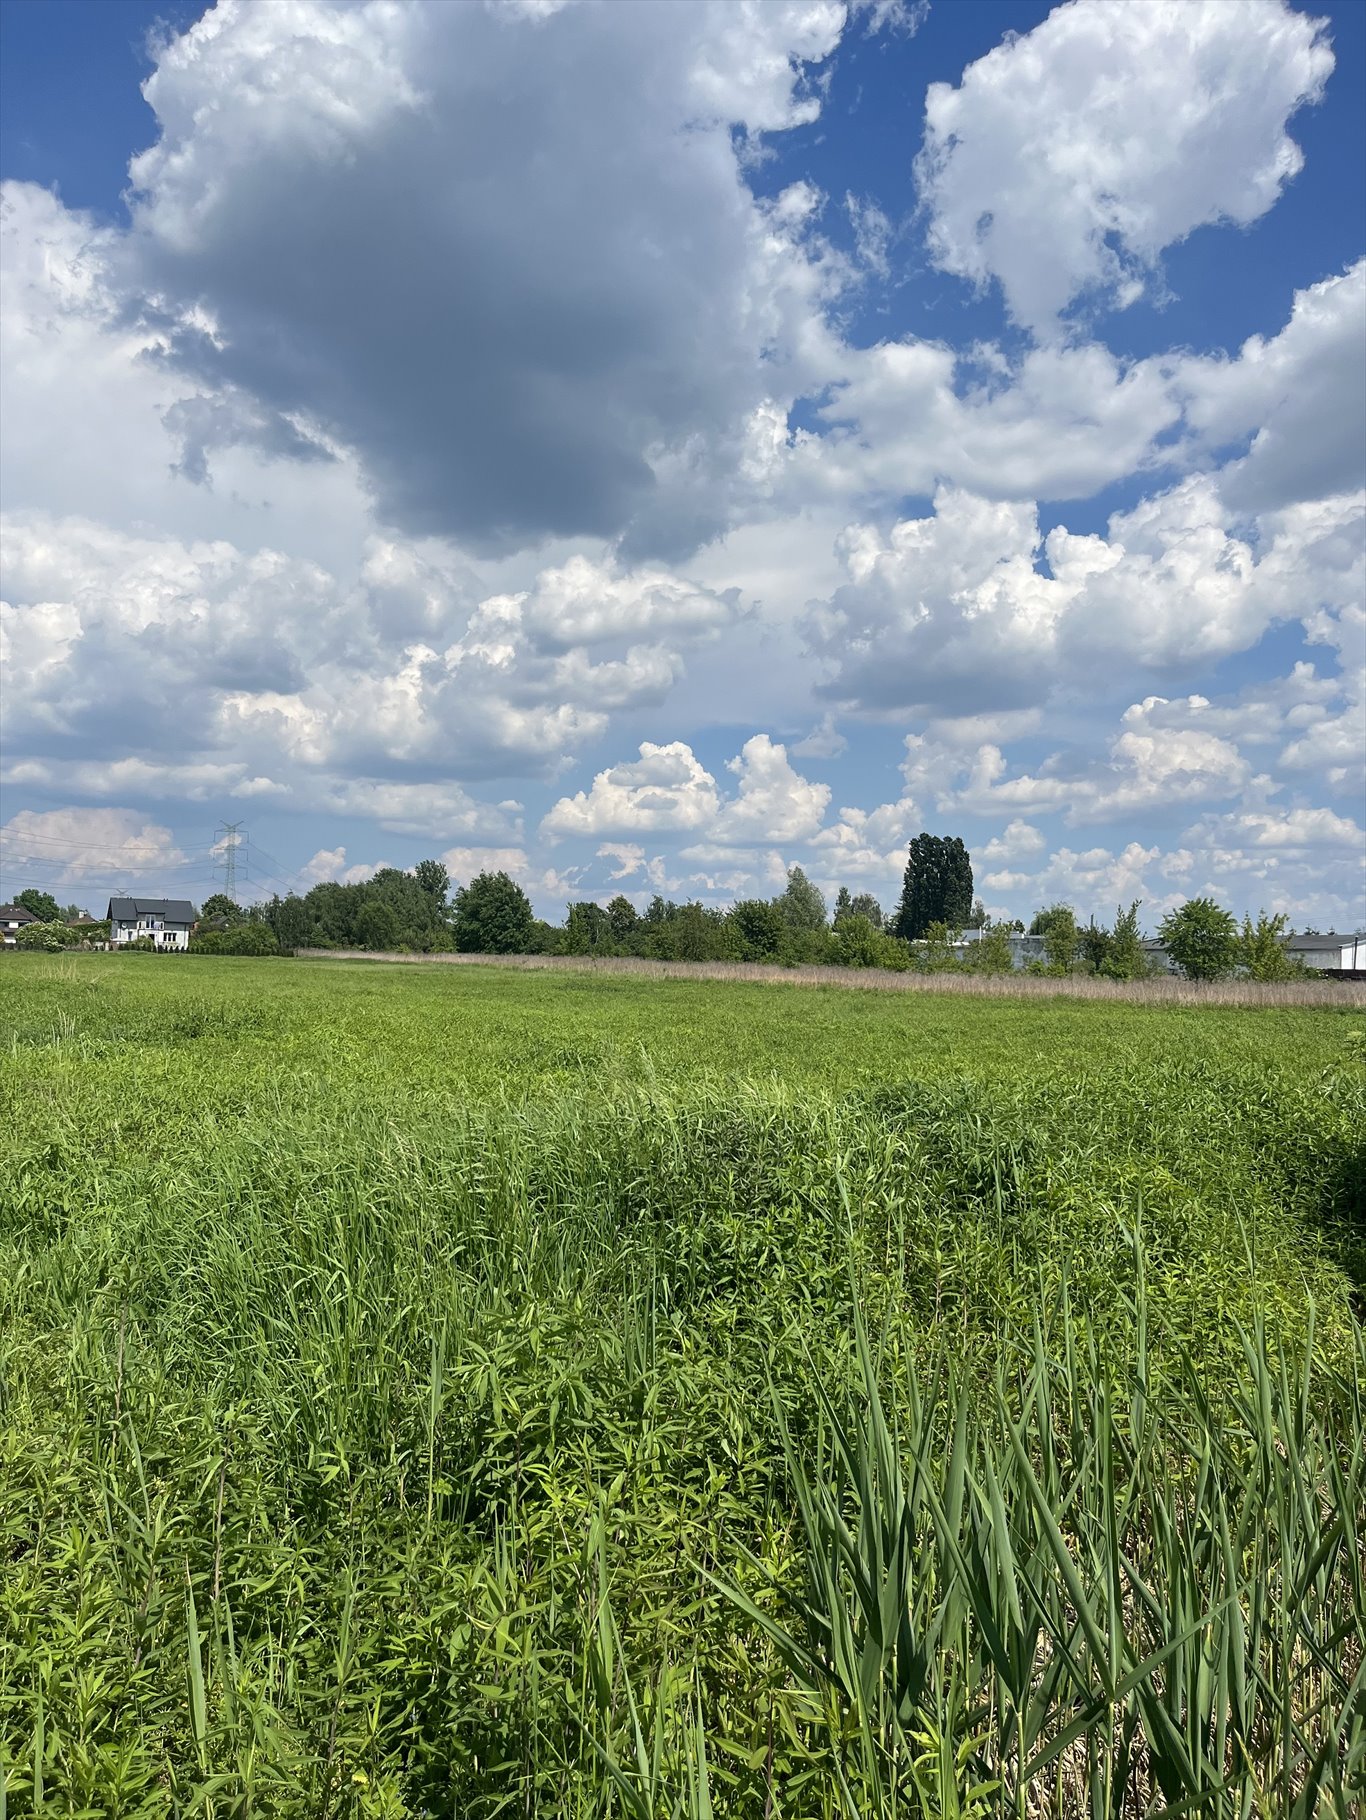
point(230, 838)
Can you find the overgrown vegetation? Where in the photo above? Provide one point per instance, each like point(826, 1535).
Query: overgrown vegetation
point(398, 912)
point(463, 1392)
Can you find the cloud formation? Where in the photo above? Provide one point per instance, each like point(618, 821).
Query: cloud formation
point(88, 847)
point(974, 607)
point(538, 433)
point(422, 240)
point(1067, 159)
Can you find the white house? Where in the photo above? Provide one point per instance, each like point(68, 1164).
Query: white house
point(1329, 953)
point(166, 920)
point(12, 919)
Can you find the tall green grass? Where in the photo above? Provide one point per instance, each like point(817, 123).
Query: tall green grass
point(484, 1395)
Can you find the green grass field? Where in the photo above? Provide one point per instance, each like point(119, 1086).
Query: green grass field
point(465, 1392)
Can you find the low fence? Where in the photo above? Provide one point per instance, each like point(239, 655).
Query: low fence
point(1326, 990)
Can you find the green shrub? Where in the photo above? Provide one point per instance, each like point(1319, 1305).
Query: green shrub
point(991, 953)
point(248, 938)
point(41, 938)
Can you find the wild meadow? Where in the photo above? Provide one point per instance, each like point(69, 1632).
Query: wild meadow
point(458, 1391)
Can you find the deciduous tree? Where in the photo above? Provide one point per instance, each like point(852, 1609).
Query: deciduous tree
point(1202, 939)
point(861, 903)
point(936, 952)
point(859, 944)
point(1262, 951)
point(760, 928)
point(1126, 958)
point(493, 916)
point(587, 929)
point(992, 954)
point(376, 925)
point(622, 916)
point(1093, 945)
point(221, 906)
point(1058, 927)
point(434, 879)
point(801, 904)
point(40, 904)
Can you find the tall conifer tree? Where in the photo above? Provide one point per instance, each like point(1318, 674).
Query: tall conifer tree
point(936, 887)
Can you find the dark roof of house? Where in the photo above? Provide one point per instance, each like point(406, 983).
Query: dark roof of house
point(172, 909)
point(16, 913)
point(1321, 941)
point(82, 916)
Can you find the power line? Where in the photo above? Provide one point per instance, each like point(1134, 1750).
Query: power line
point(111, 859)
point(28, 837)
point(233, 841)
point(274, 869)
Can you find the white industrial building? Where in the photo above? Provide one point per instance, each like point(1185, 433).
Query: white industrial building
point(1329, 953)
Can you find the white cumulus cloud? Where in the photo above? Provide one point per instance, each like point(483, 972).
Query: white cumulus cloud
point(1067, 159)
point(665, 789)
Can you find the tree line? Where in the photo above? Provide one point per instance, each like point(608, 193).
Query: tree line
point(417, 912)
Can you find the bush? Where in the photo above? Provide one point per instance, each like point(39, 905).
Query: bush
point(893, 954)
point(42, 938)
point(991, 954)
point(809, 948)
point(694, 933)
point(857, 941)
point(1125, 957)
point(254, 939)
point(934, 953)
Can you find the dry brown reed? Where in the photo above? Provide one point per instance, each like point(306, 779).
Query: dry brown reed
point(1167, 990)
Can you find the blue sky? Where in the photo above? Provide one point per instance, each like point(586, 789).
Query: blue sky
point(647, 447)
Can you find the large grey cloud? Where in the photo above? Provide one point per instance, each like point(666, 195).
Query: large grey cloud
point(510, 259)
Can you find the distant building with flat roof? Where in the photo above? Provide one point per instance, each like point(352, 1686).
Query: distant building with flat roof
point(1329, 953)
